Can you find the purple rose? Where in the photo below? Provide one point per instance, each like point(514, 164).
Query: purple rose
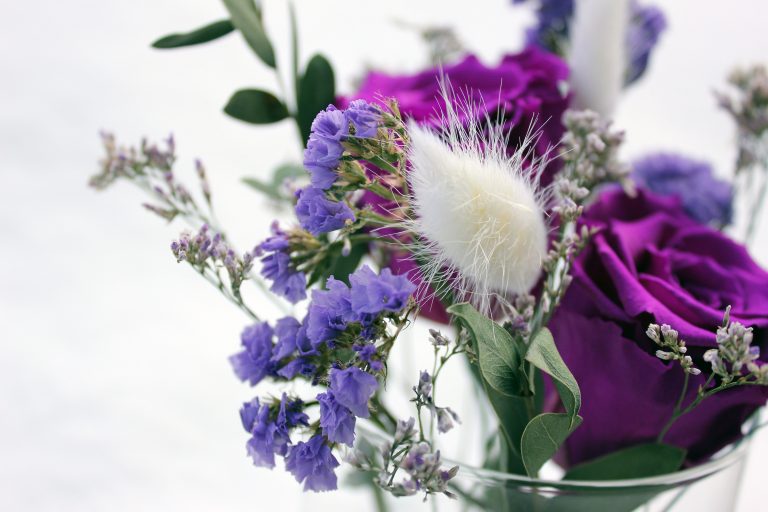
point(651, 263)
point(523, 88)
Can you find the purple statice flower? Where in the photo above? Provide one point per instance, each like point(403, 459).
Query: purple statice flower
point(286, 330)
point(291, 414)
point(552, 29)
point(324, 148)
point(304, 345)
point(645, 28)
point(364, 118)
point(337, 422)
point(298, 366)
point(329, 313)
point(276, 267)
point(253, 362)
point(366, 352)
point(552, 22)
point(372, 294)
point(703, 197)
point(318, 214)
point(267, 437)
point(352, 388)
point(312, 463)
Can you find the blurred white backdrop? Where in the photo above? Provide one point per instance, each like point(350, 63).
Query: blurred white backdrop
point(115, 392)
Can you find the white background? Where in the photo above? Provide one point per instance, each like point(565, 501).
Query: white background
point(115, 392)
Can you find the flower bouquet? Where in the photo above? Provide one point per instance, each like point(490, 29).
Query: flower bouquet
point(608, 325)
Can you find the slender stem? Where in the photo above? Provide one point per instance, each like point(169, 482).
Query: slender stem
point(236, 300)
point(383, 164)
point(757, 207)
point(676, 411)
point(378, 498)
point(700, 397)
point(381, 191)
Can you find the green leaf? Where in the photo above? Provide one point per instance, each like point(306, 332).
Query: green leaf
point(634, 462)
point(543, 354)
point(342, 266)
point(201, 35)
point(272, 188)
point(316, 90)
point(246, 17)
point(256, 107)
point(543, 436)
point(499, 355)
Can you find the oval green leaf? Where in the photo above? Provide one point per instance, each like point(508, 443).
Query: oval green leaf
point(543, 354)
point(542, 438)
point(316, 90)
point(499, 356)
point(640, 461)
point(256, 106)
point(246, 17)
point(201, 35)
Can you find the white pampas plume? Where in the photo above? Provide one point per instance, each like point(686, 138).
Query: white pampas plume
point(598, 53)
point(479, 215)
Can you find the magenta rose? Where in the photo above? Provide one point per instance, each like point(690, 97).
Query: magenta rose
point(650, 263)
point(524, 89)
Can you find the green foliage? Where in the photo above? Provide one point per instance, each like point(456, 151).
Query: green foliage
point(500, 355)
point(634, 462)
point(315, 91)
point(343, 265)
point(200, 35)
point(543, 354)
point(271, 188)
point(246, 17)
point(542, 438)
point(256, 106)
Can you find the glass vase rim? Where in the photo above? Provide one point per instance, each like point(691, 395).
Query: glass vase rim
point(723, 459)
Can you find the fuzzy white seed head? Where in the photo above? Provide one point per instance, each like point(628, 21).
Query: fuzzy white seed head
point(477, 210)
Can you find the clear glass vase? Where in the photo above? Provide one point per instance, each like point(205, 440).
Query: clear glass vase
point(713, 486)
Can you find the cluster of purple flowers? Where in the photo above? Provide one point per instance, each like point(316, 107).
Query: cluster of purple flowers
point(318, 214)
point(553, 26)
point(339, 317)
point(287, 282)
point(703, 197)
point(203, 249)
point(316, 211)
point(330, 129)
point(270, 427)
point(645, 28)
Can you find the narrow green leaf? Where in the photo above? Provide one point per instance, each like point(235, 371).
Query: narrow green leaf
point(543, 354)
point(499, 356)
point(272, 188)
point(201, 35)
point(256, 107)
point(264, 187)
point(634, 462)
point(316, 90)
point(543, 436)
point(294, 49)
point(246, 17)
